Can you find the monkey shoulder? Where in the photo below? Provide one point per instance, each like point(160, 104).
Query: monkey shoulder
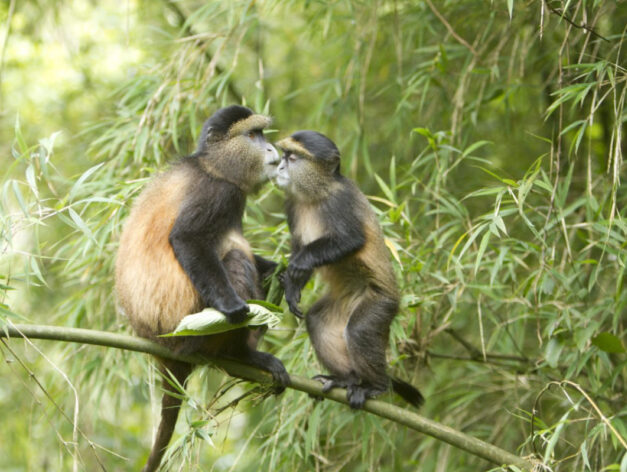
point(372, 260)
point(210, 204)
point(346, 210)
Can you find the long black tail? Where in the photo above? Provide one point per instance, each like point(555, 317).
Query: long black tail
point(170, 406)
point(409, 393)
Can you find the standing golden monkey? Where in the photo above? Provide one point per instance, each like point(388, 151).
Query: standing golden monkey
point(335, 231)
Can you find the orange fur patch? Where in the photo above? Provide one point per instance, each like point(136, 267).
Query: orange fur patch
point(151, 286)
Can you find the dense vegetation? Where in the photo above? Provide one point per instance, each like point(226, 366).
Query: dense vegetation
point(489, 136)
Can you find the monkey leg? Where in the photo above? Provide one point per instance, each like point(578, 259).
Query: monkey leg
point(170, 406)
point(367, 333)
point(325, 327)
point(326, 321)
point(243, 276)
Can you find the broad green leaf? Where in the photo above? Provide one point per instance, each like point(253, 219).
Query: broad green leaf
point(211, 321)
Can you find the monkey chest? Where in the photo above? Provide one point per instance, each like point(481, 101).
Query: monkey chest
point(308, 225)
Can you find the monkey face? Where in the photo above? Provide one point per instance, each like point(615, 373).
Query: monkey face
point(271, 159)
point(282, 177)
point(308, 166)
point(301, 177)
point(267, 152)
point(248, 158)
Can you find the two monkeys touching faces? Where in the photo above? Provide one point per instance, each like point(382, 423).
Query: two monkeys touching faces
point(182, 249)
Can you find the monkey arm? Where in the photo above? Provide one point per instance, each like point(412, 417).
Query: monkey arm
point(205, 270)
point(325, 250)
point(344, 232)
point(328, 249)
point(195, 239)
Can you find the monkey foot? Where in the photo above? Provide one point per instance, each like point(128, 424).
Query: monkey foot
point(331, 381)
point(356, 392)
point(280, 378)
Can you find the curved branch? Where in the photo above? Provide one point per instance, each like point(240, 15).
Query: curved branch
point(391, 412)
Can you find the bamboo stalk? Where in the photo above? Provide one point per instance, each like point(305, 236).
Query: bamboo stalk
point(391, 412)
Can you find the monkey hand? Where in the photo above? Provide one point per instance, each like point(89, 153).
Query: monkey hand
point(292, 294)
point(235, 311)
point(298, 272)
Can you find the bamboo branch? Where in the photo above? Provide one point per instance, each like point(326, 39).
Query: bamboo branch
point(391, 412)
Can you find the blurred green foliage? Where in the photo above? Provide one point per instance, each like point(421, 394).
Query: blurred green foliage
point(490, 138)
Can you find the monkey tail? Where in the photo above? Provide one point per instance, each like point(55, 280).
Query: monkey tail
point(170, 406)
point(409, 393)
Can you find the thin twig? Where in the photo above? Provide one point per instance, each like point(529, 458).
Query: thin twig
point(32, 375)
point(391, 412)
point(568, 20)
point(450, 28)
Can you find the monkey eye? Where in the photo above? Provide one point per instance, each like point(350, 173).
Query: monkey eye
point(290, 156)
point(252, 134)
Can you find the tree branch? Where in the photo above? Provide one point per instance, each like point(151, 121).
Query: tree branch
point(391, 412)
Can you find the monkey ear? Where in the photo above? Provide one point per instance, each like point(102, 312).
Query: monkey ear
point(212, 135)
point(209, 135)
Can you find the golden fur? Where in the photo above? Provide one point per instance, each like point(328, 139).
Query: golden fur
point(290, 144)
point(147, 271)
point(371, 264)
point(308, 225)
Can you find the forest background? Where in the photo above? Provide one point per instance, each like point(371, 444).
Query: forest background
point(488, 136)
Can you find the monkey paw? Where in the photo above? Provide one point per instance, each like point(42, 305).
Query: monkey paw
point(330, 382)
point(292, 296)
point(280, 377)
point(356, 395)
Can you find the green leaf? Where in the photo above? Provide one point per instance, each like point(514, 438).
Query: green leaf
point(386, 190)
point(80, 224)
point(500, 224)
point(608, 342)
point(81, 180)
point(211, 321)
point(265, 304)
point(482, 247)
point(553, 351)
point(474, 146)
